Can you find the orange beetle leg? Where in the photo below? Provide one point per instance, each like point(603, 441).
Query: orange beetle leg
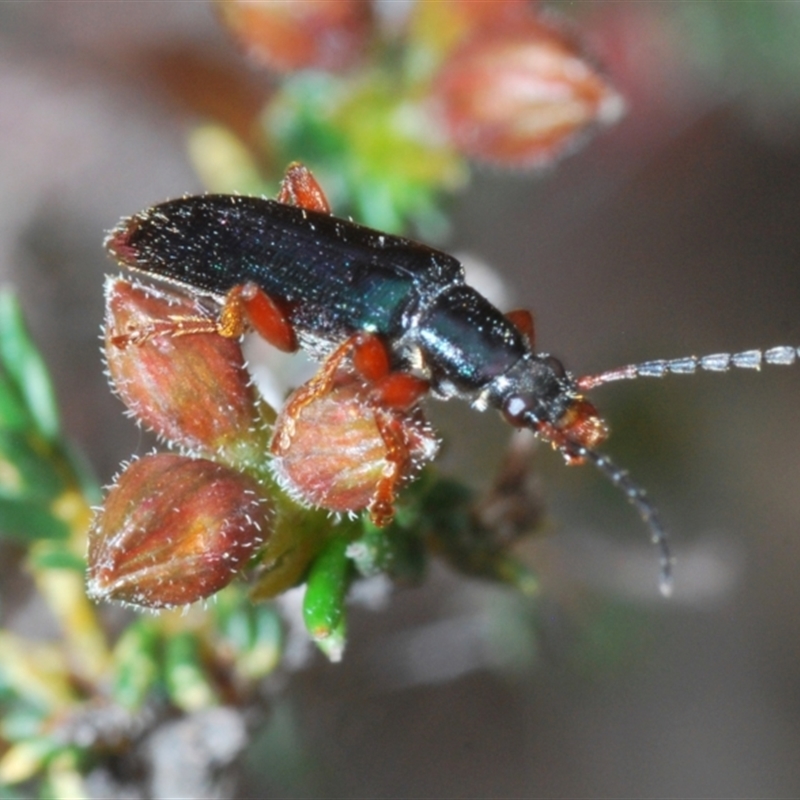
point(318, 386)
point(522, 320)
point(381, 507)
point(399, 391)
point(396, 390)
point(300, 188)
point(370, 357)
point(249, 306)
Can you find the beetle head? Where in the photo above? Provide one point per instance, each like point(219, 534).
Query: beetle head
point(538, 393)
point(543, 396)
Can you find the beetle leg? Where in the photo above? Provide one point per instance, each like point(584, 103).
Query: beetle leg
point(170, 326)
point(249, 306)
point(522, 320)
point(300, 188)
point(399, 391)
point(319, 385)
point(392, 392)
point(244, 307)
point(389, 395)
point(381, 507)
point(370, 357)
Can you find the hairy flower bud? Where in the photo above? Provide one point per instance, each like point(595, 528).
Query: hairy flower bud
point(342, 452)
point(173, 530)
point(191, 389)
point(286, 36)
point(522, 95)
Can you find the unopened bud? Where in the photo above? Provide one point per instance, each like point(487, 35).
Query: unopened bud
point(334, 453)
point(174, 530)
point(291, 35)
point(192, 389)
point(522, 95)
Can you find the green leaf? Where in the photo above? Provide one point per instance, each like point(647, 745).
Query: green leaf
point(13, 413)
point(30, 469)
point(268, 631)
point(323, 605)
point(266, 647)
point(25, 758)
point(253, 632)
point(28, 521)
point(63, 780)
point(22, 721)
point(333, 644)
point(452, 529)
point(397, 550)
point(26, 368)
point(57, 557)
point(136, 664)
point(237, 627)
point(82, 472)
point(187, 683)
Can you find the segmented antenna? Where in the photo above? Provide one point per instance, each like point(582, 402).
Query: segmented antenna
point(637, 497)
point(689, 365)
point(718, 362)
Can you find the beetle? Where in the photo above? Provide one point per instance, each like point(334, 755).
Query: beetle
point(303, 278)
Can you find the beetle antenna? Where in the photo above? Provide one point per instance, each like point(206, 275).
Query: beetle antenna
point(689, 365)
point(637, 497)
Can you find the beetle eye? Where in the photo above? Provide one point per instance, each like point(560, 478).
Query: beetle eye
point(517, 410)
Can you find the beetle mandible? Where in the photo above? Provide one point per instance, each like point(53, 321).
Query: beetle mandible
point(303, 278)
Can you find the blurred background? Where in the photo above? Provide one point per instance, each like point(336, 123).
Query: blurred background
point(674, 232)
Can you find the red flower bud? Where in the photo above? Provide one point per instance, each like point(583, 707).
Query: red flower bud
point(191, 389)
point(333, 454)
point(522, 95)
point(286, 35)
point(173, 530)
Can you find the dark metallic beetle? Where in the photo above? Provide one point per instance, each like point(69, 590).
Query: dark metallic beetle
point(304, 278)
